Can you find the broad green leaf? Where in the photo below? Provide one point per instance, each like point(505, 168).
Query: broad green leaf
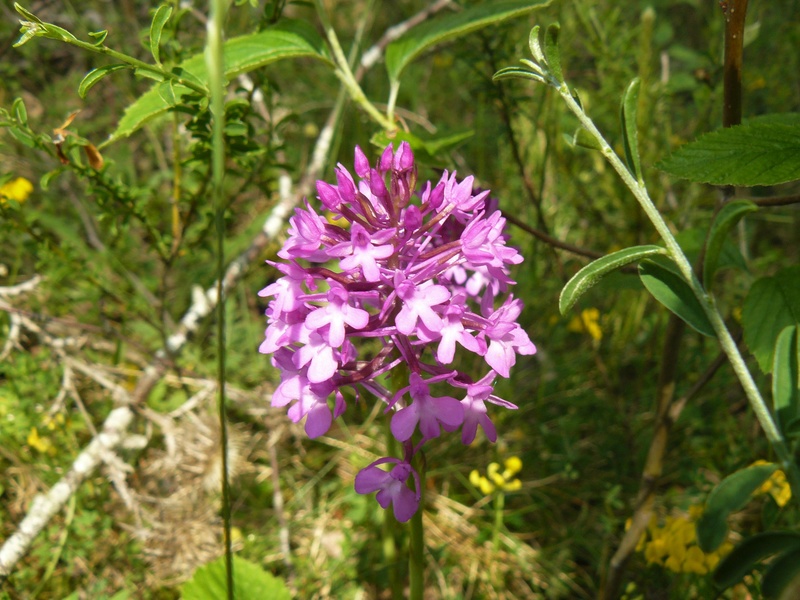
point(251, 582)
point(287, 39)
point(732, 494)
point(96, 75)
point(551, 52)
point(725, 220)
point(762, 151)
point(596, 270)
point(772, 304)
point(782, 578)
point(630, 134)
point(417, 40)
point(786, 376)
point(746, 555)
point(156, 27)
point(668, 286)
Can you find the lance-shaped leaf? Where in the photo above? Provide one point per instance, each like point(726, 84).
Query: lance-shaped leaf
point(745, 556)
point(725, 220)
point(782, 578)
point(551, 52)
point(156, 27)
point(596, 270)
point(732, 494)
point(96, 75)
point(786, 377)
point(762, 151)
point(287, 39)
point(630, 134)
point(417, 40)
point(772, 304)
point(666, 284)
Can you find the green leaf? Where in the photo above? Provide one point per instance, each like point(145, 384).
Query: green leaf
point(517, 73)
point(744, 557)
point(668, 286)
point(29, 16)
point(782, 577)
point(584, 139)
point(251, 582)
point(596, 270)
point(19, 111)
point(762, 151)
point(732, 494)
point(417, 40)
point(156, 27)
point(725, 220)
point(630, 134)
point(772, 304)
point(551, 52)
point(96, 75)
point(99, 36)
point(786, 377)
point(287, 39)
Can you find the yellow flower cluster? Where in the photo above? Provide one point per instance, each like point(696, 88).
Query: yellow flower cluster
point(587, 322)
point(497, 480)
point(776, 486)
point(674, 545)
point(17, 189)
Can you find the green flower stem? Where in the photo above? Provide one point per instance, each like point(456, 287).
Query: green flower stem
point(216, 81)
point(416, 559)
point(499, 505)
point(727, 342)
point(389, 530)
point(345, 73)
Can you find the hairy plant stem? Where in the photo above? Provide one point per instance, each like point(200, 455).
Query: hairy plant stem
point(216, 80)
point(726, 341)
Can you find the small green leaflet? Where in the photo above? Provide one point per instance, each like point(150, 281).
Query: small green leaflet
point(417, 40)
point(287, 39)
point(762, 151)
point(156, 27)
point(597, 269)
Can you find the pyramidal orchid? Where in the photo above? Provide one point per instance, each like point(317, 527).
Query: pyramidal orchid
point(402, 277)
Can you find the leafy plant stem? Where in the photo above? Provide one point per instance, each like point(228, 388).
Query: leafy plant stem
point(216, 79)
point(345, 73)
point(416, 564)
point(389, 531)
point(727, 342)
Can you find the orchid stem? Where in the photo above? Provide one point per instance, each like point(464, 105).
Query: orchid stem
point(416, 562)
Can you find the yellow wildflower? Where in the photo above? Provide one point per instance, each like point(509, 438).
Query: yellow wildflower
point(587, 322)
point(42, 444)
point(17, 189)
point(497, 479)
point(776, 486)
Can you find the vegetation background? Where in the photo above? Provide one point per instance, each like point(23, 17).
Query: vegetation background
point(122, 251)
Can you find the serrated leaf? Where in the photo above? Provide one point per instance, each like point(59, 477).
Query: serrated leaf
point(287, 39)
point(156, 27)
point(630, 133)
point(668, 286)
point(552, 53)
point(786, 377)
point(596, 270)
point(417, 40)
point(731, 495)
point(96, 75)
point(762, 151)
point(251, 582)
point(742, 559)
point(772, 304)
point(782, 578)
point(725, 220)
